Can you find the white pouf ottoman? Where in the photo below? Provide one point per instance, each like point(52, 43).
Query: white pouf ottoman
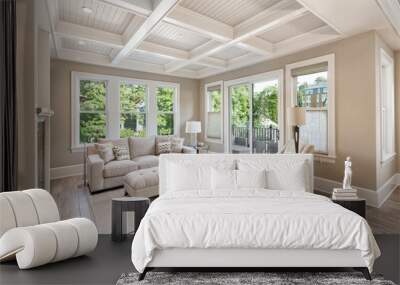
point(142, 183)
point(31, 231)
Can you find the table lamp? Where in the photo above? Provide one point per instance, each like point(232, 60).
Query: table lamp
point(296, 118)
point(193, 128)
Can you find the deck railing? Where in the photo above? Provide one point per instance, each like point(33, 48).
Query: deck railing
point(265, 140)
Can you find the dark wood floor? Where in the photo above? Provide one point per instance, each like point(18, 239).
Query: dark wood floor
point(75, 201)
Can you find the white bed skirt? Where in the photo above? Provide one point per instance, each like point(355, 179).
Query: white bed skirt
point(178, 257)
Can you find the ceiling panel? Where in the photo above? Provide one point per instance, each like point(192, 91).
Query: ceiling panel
point(230, 53)
point(85, 46)
point(148, 58)
point(194, 67)
point(301, 25)
point(231, 12)
point(176, 37)
point(104, 17)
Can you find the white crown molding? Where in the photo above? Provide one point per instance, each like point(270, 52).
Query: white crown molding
point(391, 9)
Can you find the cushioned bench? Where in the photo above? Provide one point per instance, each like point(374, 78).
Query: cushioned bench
point(142, 183)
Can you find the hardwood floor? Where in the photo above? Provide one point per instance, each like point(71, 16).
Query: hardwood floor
point(75, 201)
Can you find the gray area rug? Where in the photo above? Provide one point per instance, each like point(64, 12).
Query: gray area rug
point(229, 278)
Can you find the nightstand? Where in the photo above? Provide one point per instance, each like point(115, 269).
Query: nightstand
point(358, 206)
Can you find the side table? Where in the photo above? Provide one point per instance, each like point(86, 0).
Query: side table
point(138, 205)
point(358, 206)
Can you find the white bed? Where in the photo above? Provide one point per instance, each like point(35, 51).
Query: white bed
point(197, 222)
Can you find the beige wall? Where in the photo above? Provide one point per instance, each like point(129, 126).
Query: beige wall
point(355, 103)
point(61, 104)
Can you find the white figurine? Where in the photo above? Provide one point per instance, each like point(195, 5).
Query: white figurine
point(347, 173)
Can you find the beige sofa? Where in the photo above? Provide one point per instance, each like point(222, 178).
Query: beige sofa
point(142, 153)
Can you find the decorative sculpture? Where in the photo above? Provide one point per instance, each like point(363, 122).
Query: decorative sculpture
point(347, 174)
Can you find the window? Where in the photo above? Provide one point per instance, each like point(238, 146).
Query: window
point(114, 107)
point(165, 97)
point(387, 119)
point(213, 119)
point(311, 85)
point(92, 110)
point(133, 110)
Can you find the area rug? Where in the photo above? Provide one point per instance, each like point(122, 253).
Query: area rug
point(243, 278)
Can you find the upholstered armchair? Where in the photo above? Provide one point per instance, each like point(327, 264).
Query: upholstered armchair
point(31, 231)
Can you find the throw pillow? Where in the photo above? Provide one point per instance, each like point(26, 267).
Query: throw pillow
point(105, 151)
point(176, 145)
point(251, 179)
point(223, 179)
point(164, 147)
point(121, 152)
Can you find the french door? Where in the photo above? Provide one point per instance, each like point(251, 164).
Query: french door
point(254, 116)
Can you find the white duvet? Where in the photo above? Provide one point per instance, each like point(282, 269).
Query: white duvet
point(250, 219)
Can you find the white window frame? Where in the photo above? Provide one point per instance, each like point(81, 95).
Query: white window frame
point(291, 100)
point(386, 103)
point(135, 82)
point(206, 104)
point(113, 105)
point(176, 107)
point(271, 75)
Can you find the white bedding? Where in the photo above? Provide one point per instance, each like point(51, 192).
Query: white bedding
point(252, 218)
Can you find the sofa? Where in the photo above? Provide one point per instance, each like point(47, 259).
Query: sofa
point(143, 154)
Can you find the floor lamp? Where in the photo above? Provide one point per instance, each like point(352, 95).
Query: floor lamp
point(296, 118)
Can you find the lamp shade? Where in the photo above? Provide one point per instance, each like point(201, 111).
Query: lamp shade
point(296, 116)
point(193, 127)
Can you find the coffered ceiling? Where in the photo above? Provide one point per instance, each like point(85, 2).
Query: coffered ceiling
point(189, 38)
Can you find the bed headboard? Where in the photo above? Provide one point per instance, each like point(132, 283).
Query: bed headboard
point(193, 160)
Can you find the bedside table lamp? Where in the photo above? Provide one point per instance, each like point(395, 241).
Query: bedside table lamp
point(296, 118)
point(193, 128)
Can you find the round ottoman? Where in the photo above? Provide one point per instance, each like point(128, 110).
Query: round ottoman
point(142, 182)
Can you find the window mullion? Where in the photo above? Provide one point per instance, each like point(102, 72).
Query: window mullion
point(151, 109)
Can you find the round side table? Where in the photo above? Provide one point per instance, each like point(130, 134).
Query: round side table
point(138, 205)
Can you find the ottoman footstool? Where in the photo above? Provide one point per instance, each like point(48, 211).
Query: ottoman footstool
point(142, 183)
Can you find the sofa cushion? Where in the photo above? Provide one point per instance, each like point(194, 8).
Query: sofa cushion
point(177, 145)
point(161, 139)
point(142, 146)
point(105, 151)
point(121, 152)
point(119, 168)
point(146, 161)
point(123, 141)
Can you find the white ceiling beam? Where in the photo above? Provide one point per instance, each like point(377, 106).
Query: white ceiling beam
point(278, 15)
point(171, 53)
point(163, 8)
point(213, 62)
point(199, 23)
point(52, 13)
point(257, 45)
point(74, 31)
point(127, 63)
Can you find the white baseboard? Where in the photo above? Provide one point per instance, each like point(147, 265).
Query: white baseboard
point(66, 171)
point(373, 198)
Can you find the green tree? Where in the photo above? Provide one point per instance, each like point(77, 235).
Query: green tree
point(265, 107)
point(92, 110)
point(165, 108)
point(133, 110)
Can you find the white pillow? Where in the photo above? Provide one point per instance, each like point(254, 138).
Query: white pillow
point(251, 179)
point(283, 173)
point(293, 179)
point(223, 179)
point(182, 177)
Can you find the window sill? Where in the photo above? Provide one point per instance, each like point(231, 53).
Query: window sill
point(80, 148)
point(213, 141)
point(323, 158)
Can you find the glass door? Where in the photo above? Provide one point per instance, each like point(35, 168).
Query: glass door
point(240, 118)
point(253, 117)
point(265, 108)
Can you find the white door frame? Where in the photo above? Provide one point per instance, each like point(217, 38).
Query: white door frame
point(267, 76)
